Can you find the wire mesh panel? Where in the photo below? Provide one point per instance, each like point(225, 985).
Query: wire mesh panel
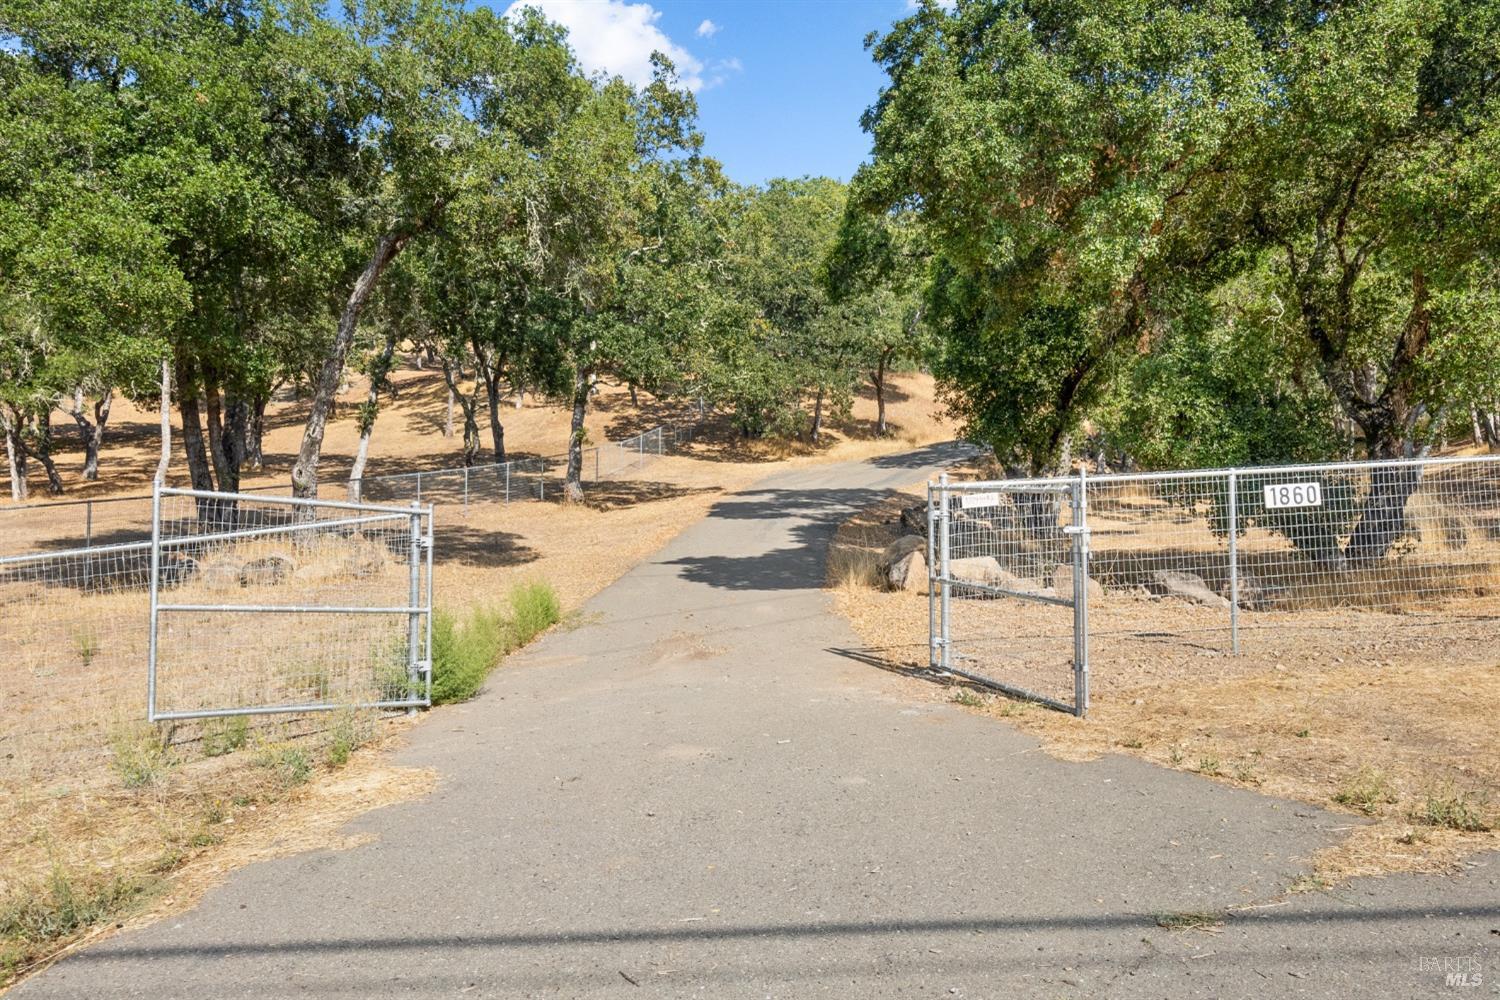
point(74, 524)
point(1303, 564)
point(505, 482)
point(269, 604)
point(1007, 607)
point(73, 637)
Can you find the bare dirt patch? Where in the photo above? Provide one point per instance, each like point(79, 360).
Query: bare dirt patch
point(1385, 715)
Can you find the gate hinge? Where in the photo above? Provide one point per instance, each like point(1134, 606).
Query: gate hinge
point(1076, 529)
point(424, 666)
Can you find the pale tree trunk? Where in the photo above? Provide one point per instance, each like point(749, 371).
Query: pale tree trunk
point(520, 388)
point(367, 414)
point(166, 423)
point(448, 418)
point(15, 455)
point(583, 384)
point(92, 432)
point(305, 471)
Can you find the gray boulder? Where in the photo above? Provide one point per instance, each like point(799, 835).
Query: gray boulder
point(1185, 586)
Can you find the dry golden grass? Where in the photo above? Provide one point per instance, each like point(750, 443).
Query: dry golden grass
point(1387, 717)
point(69, 809)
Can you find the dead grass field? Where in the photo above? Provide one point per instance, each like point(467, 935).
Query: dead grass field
point(1388, 715)
point(103, 816)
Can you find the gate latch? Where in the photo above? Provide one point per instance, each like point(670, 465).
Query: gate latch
point(1076, 529)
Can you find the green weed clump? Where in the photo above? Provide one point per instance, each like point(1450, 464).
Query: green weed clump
point(289, 764)
point(464, 654)
point(1453, 810)
point(350, 731)
point(32, 916)
point(141, 756)
point(534, 608)
point(222, 736)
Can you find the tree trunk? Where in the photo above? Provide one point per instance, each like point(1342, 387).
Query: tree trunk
point(305, 471)
point(199, 472)
point(573, 482)
point(448, 418)
point(236, 424)
point(256, 434)
point(451, 375)
point(165, 458)
point(211, 406)
point(92, 432)
point(878, 378)
point(367, 414)
point(1382, 518)
point(520, 388)
point(489, 369)
point(817, 421)
point(15, 455)
point(40, 448)
point(634, 399)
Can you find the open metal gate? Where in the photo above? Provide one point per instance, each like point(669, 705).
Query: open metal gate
point(1008, 587)
point(269, 604)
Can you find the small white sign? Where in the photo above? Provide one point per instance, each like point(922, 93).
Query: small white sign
point(1283, 495)
point(970, 500)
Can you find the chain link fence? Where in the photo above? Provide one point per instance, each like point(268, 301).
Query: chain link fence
point(1357, 558)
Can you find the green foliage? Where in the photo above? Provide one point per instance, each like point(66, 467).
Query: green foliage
point(1259, 222)
point(350, 731)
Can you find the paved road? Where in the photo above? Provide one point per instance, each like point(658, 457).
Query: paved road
point(691, 796)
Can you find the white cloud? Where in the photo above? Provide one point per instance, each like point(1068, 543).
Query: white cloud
point(617, 38)
point(707, 29)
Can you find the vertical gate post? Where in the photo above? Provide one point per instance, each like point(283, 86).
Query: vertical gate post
point(1234, 565)
point(427, 604)
point(932, 643)
point(155, 590)
point(1080, 533)
point(414, 616)
point(946, 640)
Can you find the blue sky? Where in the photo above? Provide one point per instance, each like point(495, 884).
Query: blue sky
point(780, 83)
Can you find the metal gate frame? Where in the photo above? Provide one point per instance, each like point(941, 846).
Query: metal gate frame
point(940, 582)
point(418, 609)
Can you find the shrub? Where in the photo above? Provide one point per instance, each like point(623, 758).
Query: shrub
point(534, 608)
point(463, 655)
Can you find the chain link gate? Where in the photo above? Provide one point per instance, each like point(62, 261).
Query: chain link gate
point(1008, 569)
point(268, 604)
